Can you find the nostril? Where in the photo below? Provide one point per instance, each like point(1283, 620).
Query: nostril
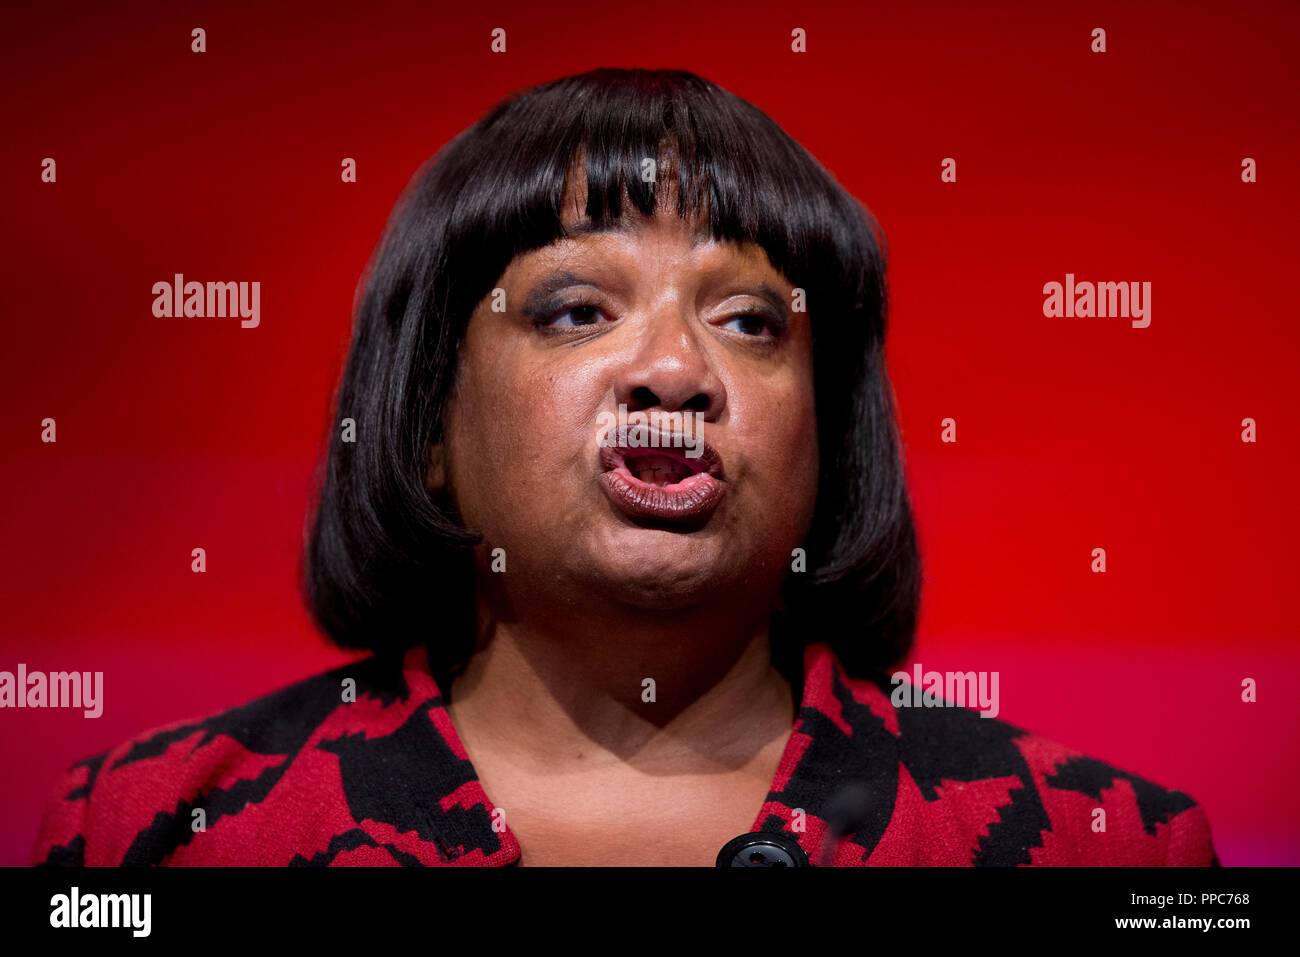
point(698, 403)
point(642, 398)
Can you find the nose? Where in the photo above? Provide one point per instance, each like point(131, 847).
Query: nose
point(670, 371)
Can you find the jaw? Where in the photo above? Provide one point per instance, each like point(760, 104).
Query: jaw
point(645, 565)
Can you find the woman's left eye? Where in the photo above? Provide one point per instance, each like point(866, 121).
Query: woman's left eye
point(751, 325)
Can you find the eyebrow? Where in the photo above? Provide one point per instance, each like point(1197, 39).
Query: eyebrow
point(773, 298)
point(535, 302)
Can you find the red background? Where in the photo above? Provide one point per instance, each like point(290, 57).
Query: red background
point(1072, 433)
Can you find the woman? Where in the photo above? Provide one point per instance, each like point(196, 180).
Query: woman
point(614, 493)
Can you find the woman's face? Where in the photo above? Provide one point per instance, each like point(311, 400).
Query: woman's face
point(657, 320)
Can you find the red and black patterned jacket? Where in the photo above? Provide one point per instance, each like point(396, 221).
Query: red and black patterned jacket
point(299, 777)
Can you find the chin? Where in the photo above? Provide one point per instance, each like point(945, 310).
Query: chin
point(659, 576)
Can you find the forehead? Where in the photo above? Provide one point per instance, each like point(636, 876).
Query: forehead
point(633, 222)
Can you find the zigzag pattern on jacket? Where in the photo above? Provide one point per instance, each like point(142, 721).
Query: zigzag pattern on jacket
point(298, 777)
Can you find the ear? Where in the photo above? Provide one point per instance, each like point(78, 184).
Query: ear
point(435, 479)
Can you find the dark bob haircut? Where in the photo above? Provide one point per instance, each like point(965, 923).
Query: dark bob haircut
point(386, 565)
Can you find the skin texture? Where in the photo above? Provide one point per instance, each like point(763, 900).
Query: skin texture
point(592, 602)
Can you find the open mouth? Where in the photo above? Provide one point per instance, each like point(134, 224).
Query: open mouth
point(655, 469)
point(661, 483)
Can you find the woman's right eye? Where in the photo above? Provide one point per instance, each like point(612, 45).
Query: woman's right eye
point(581, 314)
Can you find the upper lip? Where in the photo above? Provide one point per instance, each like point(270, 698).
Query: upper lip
point(658, 442)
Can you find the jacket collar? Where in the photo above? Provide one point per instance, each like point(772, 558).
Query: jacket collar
point(819, 758)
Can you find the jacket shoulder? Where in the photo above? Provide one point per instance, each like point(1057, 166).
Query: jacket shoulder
point(143, 799)
point(1010, 796)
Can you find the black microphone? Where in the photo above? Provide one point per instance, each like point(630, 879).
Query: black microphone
point(846, 813)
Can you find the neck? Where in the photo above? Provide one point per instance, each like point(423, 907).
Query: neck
point(547, 694)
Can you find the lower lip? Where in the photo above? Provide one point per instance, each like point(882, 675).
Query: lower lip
point(693, 498)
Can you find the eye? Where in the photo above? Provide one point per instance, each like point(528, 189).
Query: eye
point(752, 325)
point(577, 315)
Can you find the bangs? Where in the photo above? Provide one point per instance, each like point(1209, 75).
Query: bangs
point(657, 141)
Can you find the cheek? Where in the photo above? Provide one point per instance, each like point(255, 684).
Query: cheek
point(481, 428)
point(789, 461)
point(797, 444)
point(517, 432)
point(782, 436)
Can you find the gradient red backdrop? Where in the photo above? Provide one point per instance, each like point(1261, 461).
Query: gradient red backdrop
point(1072, 433)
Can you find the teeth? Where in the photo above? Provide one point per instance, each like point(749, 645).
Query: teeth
point(659, 470)
point(658, 477)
